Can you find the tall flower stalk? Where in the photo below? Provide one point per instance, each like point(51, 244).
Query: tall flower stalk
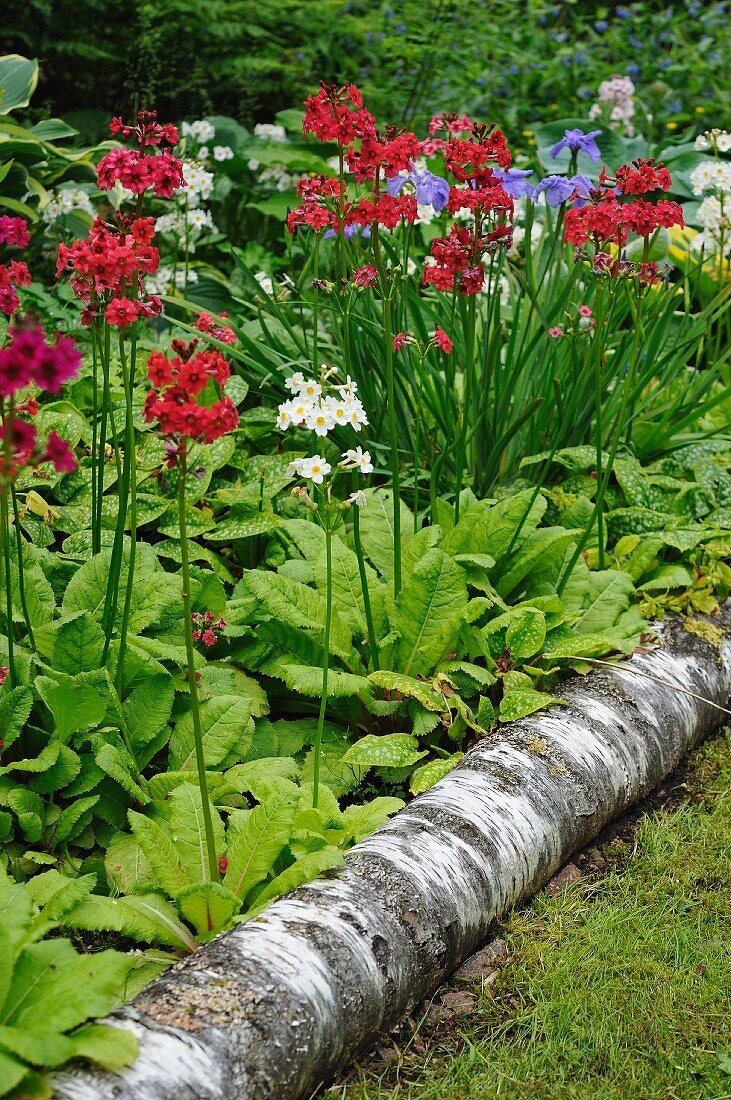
point(320, 406)
point(188, 403)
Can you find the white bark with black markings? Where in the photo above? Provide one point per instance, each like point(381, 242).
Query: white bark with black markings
point(276, 1006)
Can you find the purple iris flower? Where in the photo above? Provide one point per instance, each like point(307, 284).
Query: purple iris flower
point(558, 189)
point(513, 180)
point(578, 142)
point(430, 190)
point(350, 231)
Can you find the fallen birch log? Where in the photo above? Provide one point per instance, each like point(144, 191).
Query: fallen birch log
point(278, 1005)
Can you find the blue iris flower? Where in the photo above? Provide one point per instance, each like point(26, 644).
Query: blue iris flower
point(430, 190)
point(601, 26)
point(514, 181)
point(350, 231)
point(578, 142)
point(632, 69)
point(558, 189)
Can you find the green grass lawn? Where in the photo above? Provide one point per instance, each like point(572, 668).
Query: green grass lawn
point(619, 988)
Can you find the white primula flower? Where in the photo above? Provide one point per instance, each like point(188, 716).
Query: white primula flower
point(702, 142)
point(723, 141)
point(358, 459)
point(356, 415)
point(314, 468)
point(182, 280)
point(337, 409)
point(320, 420)
point(270, 131)
point(295, 467)
point(358, 498)
point(295, 382)
point(252, 164)
point(310, 389)
point(264, 282)
point(200, 130)
point(222, 152)
point(301, 409)
point(203, 152)
point(284, 417)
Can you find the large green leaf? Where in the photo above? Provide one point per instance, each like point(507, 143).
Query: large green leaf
point(78, 645)
point(376, 528)
point(256, 839)
point(390, 750)
point(346, 584)
point(187, 829)
point(298, 605)
point(226, 727)
point(208, 906)
point(15, 706)
point(18, 79)
point(426, 613)
point(161, 855)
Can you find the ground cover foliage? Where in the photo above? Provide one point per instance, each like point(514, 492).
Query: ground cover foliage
point(323, 454)
point(615, 986)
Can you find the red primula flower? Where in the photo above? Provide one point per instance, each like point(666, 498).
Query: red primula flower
point(642, 176)
point(14, 231)
point(137, 169)
point(365, 275)
point(337, 114)
point(121, 312)
point(440, 338)
point(180, 380)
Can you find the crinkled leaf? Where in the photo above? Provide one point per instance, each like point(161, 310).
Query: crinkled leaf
point(426, 613)
point(391, 750)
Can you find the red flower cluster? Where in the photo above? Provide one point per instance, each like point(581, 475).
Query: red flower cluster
point(14, 231)
point(205, 323)
point(337, 114)
point(107, 265)
point(469, 159)
point(178, 382)
point(641, 176)
point(365, 275)
point(25, 450)
point(607, 218)
point(440, 339)
point(206, 627)
point(391, 153)
point(137, 169)
point(15, 274)
point(29, 358)
point(454, 263)
point(485, 198)
point(387, 210)
point(612, 220)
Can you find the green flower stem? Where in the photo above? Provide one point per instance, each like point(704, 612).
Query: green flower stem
point(372, 640)
point(131, 463)
point(21, 568)
point(317, 747)
point(598, 343)
point(391, 400)
point(315, 307)
point(616, 437)
point(7, 420)
point(469, 386)
point(192, 684)
point(96, 534)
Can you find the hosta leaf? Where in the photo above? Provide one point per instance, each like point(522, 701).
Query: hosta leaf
point(255, 840)
point(391, 750)
point(409, 687)
point(428, 774)
point(208, 906)
point(187, 830)
point(226, 727)
point(426, 613)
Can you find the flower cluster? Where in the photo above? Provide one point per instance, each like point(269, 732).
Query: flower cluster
point(311, 408)
point(616, 96)
point(13, 232)
point(29, 358)
point(206, 627)
point(21, 448)
point(65, 201)
point(142, 169)
point(711, 176)
point(437, 339)
point(186, 396)
point(270, 131)
point(108, 268)
point(201, 130)
point(717, 140)
point(455, 261)
point(337, 114)
point(582, 321)
point(608, 219)
point(205, 323)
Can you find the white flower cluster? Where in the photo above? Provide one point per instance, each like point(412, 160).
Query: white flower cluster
point(310, 408)
point(199, 184)
point(220, 152)
point(712, 175)
point(714, 215)
point(617, 93)
point(186, 225)
point(718, 140)
point(201, 131)
point(265, 282)
point(270, 131)
point(65, 200)
point(274, 175)
point(162, 281)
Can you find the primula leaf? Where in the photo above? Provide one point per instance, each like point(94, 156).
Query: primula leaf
point(298, 605)
point(307, 680)
point(145, 917)
point(119, 765)
point(360, 821)
point(78, 645)
point(187, 830)
point(346, 584)
point(160, 854)
point(376, 528)
point(426, 613)
point(302, 870)
point(15, 707)
point(147, 709)
point(256, 839)
point(127, 866)
point(208, 906)
point(110, 1047)
point(226, 727)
